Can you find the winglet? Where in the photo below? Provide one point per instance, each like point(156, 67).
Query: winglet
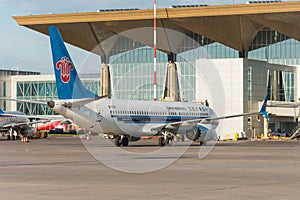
point(263, 110)
point(1, 111)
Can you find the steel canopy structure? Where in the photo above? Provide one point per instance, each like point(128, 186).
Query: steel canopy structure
point(232, 25)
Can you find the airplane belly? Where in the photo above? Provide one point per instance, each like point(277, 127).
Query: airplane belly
point(83, 117)
point(127, 128)
point(134, 129)
point(108, 126)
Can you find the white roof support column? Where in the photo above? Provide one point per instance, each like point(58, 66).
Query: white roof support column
point(105, 81)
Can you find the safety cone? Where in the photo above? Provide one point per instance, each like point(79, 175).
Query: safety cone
point(24, 139)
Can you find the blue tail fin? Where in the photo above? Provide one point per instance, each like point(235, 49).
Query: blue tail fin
point(68, 84)
point(263, 110)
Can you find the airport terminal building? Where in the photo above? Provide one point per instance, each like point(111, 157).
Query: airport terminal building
point(225, 55)
point(35, 87)
point(5, 84)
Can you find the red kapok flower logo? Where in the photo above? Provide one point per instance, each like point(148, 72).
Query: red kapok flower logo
point(65, 66)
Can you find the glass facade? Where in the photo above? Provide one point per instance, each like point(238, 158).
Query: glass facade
point(274, 47)
point(44, 91)
point(132, 71)
point(289, 82)
point(131, 67)
point(132, 74)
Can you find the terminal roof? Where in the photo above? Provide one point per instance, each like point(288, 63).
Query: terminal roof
point(232, 25)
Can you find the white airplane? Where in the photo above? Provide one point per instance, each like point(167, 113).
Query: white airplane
point(128, 120)
point(14, 121)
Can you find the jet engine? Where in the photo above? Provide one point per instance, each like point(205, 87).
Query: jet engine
point(201, 133)
point(193, 134)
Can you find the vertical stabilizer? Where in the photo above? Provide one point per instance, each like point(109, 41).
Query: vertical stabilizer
point(68, 84)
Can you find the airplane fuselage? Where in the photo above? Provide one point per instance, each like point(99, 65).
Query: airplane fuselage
point(6, 120)
point(134, 117)
point(11, 120)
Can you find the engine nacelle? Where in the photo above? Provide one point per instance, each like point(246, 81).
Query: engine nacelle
point(193, 134)
point(201, 133)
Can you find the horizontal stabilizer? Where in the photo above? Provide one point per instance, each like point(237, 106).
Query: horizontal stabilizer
point(25, 101)
point(77, 102)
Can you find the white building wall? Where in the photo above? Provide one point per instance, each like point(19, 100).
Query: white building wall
point(221, 82)
point(225, 84)
point(298, 83)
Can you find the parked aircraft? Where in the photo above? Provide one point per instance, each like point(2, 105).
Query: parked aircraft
point(14, 122)
point(127, 120)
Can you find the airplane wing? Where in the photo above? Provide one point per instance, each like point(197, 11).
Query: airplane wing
point(9, 125)
point(32, 118)
point(175, 125)
point(194, 122)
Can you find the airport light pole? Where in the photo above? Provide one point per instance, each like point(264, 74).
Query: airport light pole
point(154, 53)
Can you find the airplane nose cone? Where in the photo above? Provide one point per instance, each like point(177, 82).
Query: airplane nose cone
point(51, 104)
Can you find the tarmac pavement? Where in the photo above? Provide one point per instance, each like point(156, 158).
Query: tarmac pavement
point(61, 168)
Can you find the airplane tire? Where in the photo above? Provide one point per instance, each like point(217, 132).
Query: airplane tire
point(125, 141)
point(118, 141)
point(161, 141)
point(169, 141)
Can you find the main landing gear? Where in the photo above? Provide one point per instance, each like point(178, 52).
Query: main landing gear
point(166, 139)
point(121, 140)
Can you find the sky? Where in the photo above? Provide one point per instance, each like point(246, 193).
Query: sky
point(27, 50)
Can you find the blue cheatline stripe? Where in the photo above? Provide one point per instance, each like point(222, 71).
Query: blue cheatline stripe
point(154, 119)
